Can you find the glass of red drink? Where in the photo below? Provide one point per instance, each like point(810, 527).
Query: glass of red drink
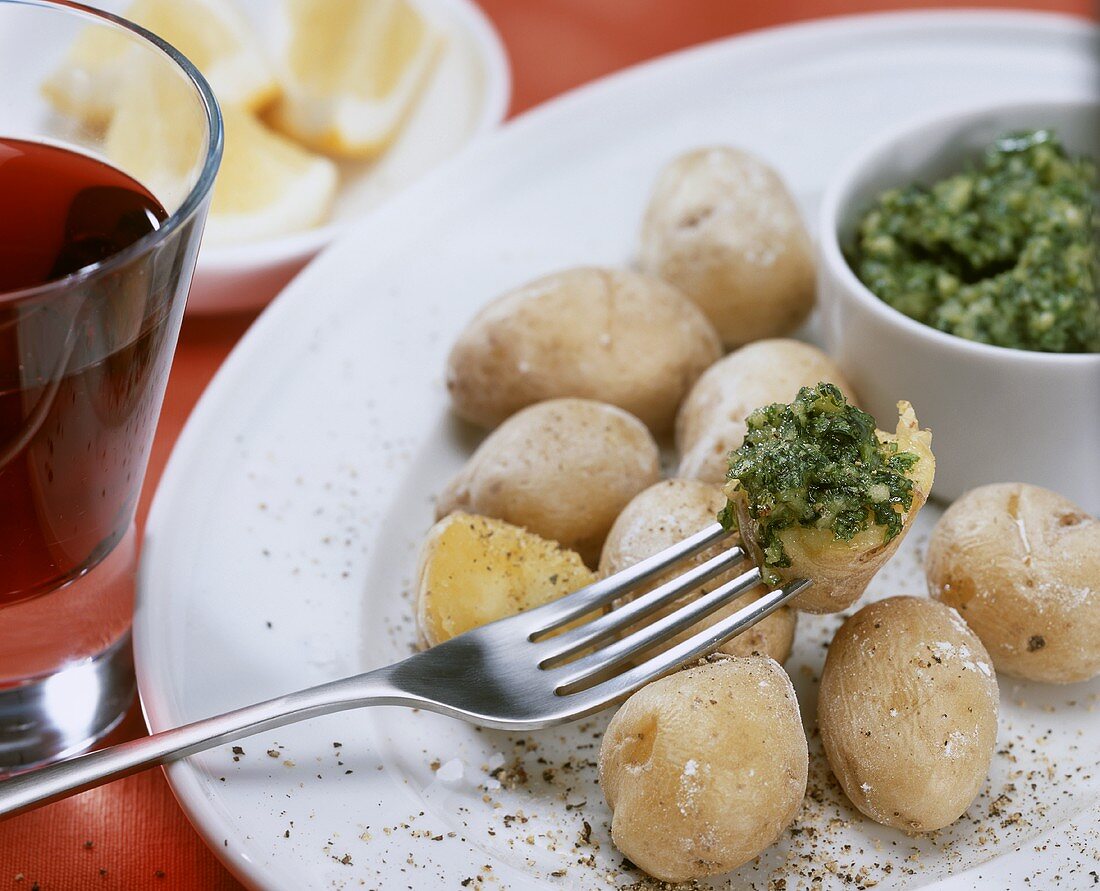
point(107, 158)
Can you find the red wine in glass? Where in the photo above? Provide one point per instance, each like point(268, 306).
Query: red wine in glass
point(95, 267)
point(80, 387)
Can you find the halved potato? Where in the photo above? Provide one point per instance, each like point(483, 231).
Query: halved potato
point(841, 570)
point(475, 570)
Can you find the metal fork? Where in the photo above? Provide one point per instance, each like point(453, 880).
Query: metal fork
point(512, 674)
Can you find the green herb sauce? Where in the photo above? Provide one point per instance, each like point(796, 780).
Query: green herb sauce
point(1005, 252)
point(818, 462)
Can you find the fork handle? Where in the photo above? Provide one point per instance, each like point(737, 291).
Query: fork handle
point(37, 787)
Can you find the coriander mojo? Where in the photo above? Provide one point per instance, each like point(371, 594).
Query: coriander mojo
point(1006, 252)
point(817, 462)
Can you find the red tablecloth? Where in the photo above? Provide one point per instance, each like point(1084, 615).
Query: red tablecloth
point(132, 834)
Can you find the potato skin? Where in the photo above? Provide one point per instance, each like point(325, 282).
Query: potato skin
point(563, 469)
point(667, 513)
point(474, 570)
point(908, 713)
point(711, 420)
point(1021, 564)
point(618, 336)
point(842, 570)
point(705, 768)
point(722, 226)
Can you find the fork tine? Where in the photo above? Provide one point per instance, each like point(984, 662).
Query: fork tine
point(573, 641)
point(553, 615)
point(687, 651)
point(614, 654)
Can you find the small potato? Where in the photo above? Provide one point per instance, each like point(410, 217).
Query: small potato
point(711, 421)
point(724, 229)
point(563, 469)
point(1021, 564)
point(475, 570)
point(620, 337)
point(842, 570)
point(667, 513)
point(705, 768)
point(908, 713)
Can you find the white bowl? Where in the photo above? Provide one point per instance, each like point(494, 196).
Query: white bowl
point(980, 401)
point(468, 95)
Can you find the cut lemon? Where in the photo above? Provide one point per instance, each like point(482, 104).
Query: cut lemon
point(267, 185)
point(211, 33)
point(351, 71)
point(157, 131)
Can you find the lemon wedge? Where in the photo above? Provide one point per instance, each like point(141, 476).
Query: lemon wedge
point(267, 186)
point(351, 71)
point(157, 130)
point(211, 33)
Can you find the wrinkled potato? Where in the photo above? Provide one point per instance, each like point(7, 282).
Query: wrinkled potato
point(722, 226)
point(711, 420)
point(667, 513)
point(705, 768)
point(563, 469)
point(908, 713)
point(1021, 564)
point(841, 570)
point(623, 338)
point(475, 570)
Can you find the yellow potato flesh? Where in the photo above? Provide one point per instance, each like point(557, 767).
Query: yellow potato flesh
point(475, 570)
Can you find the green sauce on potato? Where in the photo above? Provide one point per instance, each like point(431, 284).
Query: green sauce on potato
point(818, 462)
point(1004, 253)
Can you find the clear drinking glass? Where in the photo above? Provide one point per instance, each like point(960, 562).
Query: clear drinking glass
point(84, 360)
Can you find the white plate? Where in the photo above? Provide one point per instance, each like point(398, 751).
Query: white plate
point(282, 540)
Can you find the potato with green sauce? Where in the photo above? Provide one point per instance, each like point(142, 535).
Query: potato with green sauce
point(613, 335)
point(907, 711)
point(712, 419)
point(818, 493)
point(668, 513)
point(1021, 564)
point(475, 570)
point(563, 469)
point(705, 768)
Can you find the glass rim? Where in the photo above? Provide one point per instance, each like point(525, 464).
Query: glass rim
point(198, 192)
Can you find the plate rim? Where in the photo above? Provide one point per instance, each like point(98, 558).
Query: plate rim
point(153, 678)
